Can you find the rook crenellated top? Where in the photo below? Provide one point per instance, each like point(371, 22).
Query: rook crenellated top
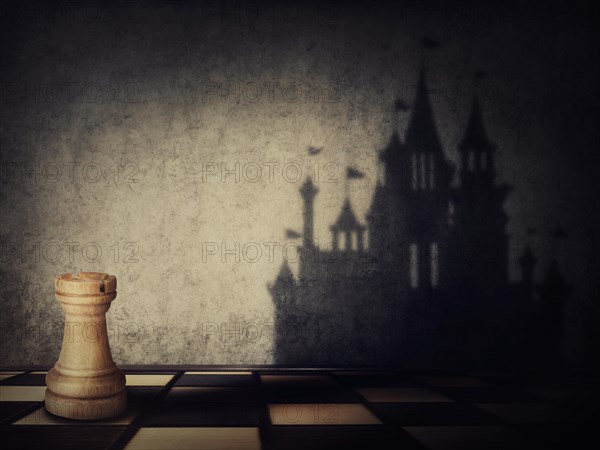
point(85, 283)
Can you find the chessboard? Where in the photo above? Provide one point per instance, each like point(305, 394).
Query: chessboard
point(270, 408)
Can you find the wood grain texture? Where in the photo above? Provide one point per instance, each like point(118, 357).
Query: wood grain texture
point(85, 383)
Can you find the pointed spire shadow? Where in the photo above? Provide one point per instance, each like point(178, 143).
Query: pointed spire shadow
point(425, 281)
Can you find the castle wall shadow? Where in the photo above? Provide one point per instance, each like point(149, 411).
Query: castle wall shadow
point(424, 281)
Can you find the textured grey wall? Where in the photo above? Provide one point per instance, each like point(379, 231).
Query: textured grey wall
point(114, 118)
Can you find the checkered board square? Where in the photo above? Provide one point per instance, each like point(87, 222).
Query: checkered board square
point(286, 409)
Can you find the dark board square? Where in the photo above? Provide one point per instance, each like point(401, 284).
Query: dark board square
point(488, 395)
point(42, 417)
point(5, 375)
point(307, 394)
point(212, 394)
point(149, 372)
point(60, 438)
point(567, 395)
point(9, 411)
point(298, 379)
point(413, 414)
point(214, 380)
point(495, 437)
point(565, 436)
point(203, 414)
point(26, 379)
point(143, 395)
point(530, 413)
point(382, 380)
point(296, 372)
point(338, 437)
point(525, 381)
point(590, 382)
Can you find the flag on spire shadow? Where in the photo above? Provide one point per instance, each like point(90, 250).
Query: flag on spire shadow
point(292, 234)
point(354, 174)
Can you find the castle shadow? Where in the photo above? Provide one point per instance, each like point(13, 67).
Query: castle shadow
point(424, 282)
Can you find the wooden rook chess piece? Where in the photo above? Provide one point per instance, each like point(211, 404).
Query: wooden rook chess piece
point(85, 383)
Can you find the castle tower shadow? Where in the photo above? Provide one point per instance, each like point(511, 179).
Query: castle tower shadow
point(430, 288)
